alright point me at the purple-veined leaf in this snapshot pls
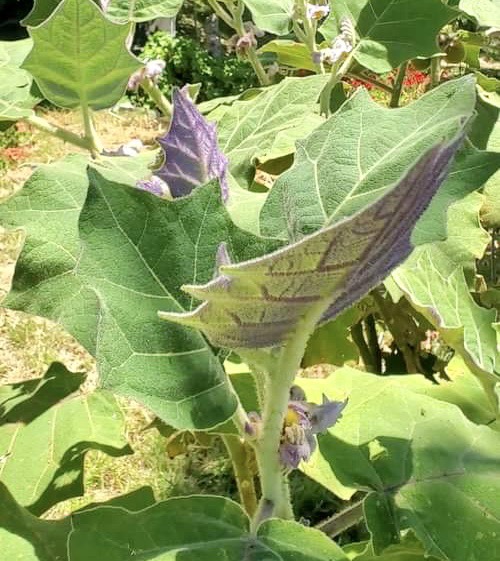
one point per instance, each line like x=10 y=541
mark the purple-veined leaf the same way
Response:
x=192 y=154
x=257 y=303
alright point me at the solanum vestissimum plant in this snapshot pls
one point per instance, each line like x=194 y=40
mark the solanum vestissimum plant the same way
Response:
x=165 y=274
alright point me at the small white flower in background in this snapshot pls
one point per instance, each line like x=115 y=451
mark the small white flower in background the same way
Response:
x=131 y=149
x=317 y=11
x=152 y=70
x=341 y=45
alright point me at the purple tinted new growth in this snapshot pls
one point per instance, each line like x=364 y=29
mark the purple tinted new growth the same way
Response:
x=192 y=154
x=258 y=303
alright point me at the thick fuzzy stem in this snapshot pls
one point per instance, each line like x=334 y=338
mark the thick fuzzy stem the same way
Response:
x=275 y=500
x=63 y=134
x=241 y=457
x=157 y=97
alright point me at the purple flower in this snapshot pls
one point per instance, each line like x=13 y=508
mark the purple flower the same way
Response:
x=302 y=421
x=154 y=68
x=154 y=185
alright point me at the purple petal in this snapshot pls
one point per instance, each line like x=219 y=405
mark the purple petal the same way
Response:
x=326 y=415
x=155 y=185
x=291 y=454
x=192 y=155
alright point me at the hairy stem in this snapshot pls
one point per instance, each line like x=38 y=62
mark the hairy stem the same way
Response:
x=398 y=85
x=307 y=35
x=274 y=499
x=335 y=78
x=221 y=13
x=156 y=95
x=66 y=136
x=343 y=520
x=241 y=455
x=90 y=132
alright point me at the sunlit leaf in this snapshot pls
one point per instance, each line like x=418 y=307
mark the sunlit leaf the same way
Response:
x=45 y=432
x=101 y=258
x=80 y=57
x=257 y=303
x=419 y=459
x=273 y=16
x=391 y=31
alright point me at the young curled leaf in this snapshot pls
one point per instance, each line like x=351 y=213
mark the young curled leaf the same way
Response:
x=192 y=154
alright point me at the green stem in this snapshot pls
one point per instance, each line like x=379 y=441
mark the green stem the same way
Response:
x=251 y=52
x=307 y=35
x=343 y=520
x=156 y=95
x=371 y=336
x=63 y=134
x=241 y=455
x=221 y=13
x=435 y=72
x=335 y=78
x=274 y=499
x=398 y=85
x=90 y=132
x=358 y=337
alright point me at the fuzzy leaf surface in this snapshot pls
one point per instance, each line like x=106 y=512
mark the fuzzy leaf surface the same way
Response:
x=391 y=31
x=267 y=126
x=195 y=528
x=79 y=57
x=421 y=461
x=434 y=282
x=355 y=156
x=101 y=258
x=45 y=432
x=257 y=303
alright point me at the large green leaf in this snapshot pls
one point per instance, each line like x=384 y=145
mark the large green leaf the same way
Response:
x=273 y=16
x=267 y=126
x=257 y=303
x=79 y=57
x=485 y=12
x=45 y=434
x=391 y=31
x=420 y=460
x=347 y=163
x=433 y=280
x=102 y=259
x=193 y=528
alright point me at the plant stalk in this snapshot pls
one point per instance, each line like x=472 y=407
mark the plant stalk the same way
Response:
x=342 y=521
x=241 y=455
x=335 y=78
x=372 y=81
x=90 y=132
x=274 y=499
x=156 y=95
x=398 y=85
x=435 y=72
x=66 y=136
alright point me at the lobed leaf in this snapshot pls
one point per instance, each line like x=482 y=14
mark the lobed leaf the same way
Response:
x=101 y=258
x=420 y=462
x=391 y=31
x=257 y=303
x=434 y=282
x=79 y=57
x=354 y=157
x=45 y=432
